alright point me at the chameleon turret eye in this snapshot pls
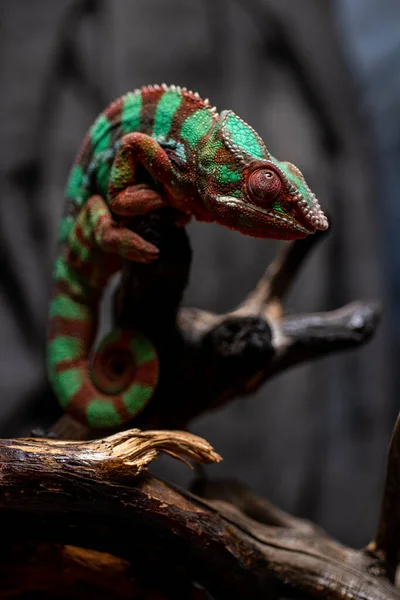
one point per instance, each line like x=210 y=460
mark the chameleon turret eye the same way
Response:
x=264 y=185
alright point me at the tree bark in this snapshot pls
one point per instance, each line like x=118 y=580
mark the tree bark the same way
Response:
x=95 y=495
x=386 y=545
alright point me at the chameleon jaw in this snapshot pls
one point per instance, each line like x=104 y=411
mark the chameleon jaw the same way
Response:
x=269 y=213
x=256 y=221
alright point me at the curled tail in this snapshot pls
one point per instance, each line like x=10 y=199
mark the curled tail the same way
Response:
x=109 y=388
x=106 y=389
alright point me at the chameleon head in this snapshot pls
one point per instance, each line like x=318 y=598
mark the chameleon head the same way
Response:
x=247 y=189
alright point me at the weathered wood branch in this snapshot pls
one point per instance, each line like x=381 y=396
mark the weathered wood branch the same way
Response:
x=386 y=545
x=127 y=452
x=66 y=572
x=37 y=558
x=258 y=509
x=87 y=496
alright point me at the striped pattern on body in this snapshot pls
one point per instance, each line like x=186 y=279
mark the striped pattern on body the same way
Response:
x=191 y=153
x=173 y=116
x=178 y=119
x=89 y=388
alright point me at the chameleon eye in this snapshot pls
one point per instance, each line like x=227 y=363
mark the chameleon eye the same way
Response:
x=264 y=185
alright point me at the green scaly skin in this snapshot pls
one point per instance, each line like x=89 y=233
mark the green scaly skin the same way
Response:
x=155 y=146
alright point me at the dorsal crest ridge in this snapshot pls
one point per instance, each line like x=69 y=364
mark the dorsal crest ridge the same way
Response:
x=189 y=94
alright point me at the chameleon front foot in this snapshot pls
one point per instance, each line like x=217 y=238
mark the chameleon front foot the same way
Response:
x=136 y=200
x=113 y=237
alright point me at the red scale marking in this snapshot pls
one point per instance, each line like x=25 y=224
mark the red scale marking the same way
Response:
x=150 y=99
x=147 y=373
x=87 y=270
x=224 y=157
x=84 y=239
x=63 y=287
x=114 y=111
x=162 y=161
x=71 y=363
x=79 y=401
x=75 y=262
x=121 y=408
x=85 y=152
x=83 y=329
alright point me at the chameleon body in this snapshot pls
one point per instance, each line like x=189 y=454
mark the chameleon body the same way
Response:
x=155 y=146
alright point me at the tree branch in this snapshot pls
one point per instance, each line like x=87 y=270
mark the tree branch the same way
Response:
x=87 y=496
x=386 y=545
x=278 y=277
x=67 y=572
x=127 y=452
x=258 y=509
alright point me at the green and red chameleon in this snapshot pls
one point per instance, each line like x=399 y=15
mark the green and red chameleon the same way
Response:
x=211 y=166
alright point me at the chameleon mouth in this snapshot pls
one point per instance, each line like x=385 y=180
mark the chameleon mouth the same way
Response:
x=257 y=220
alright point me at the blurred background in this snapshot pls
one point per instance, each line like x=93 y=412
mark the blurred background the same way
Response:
x=320 y=82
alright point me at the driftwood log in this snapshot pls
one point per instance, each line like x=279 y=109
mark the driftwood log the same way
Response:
x=84 y=519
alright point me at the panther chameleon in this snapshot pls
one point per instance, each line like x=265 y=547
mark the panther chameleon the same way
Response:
x=159 y=145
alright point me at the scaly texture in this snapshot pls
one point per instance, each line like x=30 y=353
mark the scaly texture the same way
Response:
x=158 y=145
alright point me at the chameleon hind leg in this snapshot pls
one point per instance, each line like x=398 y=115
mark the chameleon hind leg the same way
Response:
x=109 y=388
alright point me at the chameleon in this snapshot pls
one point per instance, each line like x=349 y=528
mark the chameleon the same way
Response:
x=154 y=147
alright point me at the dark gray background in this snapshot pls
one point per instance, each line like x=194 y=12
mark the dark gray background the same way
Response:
x=319 y=81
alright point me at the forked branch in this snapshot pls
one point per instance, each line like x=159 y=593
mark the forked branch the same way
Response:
x=278 y=278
